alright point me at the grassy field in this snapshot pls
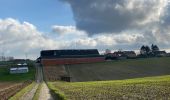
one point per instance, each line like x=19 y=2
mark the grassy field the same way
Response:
x=117 y=70
x=5 y=76
x=149 y=88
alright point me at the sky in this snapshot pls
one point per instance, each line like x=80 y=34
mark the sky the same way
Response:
x=29 y=26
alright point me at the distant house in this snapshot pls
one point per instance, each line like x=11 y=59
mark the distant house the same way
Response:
x=19 y=68
x=130 y=54
x=107 y=51
x=110 y=56
x=18 y=60
x=120 y=55
x=168 y=54
x=160 y=53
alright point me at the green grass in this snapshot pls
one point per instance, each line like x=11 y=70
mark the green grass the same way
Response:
x=149 y=88
x=22 y=92
x=118 y=70
x=5 y=76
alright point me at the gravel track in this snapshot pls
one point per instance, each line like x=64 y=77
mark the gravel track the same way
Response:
x=44 y=92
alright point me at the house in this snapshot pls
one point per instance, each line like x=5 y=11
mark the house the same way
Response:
x=110 y=56
x=70 y=56
x=168 y=54
x=130 y=54
x=160 y=53
x=120 y=55
x=107 y=51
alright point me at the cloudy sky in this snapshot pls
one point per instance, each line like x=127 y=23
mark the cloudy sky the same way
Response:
x=29 y=26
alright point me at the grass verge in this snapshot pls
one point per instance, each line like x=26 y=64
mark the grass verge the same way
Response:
x=22 y=92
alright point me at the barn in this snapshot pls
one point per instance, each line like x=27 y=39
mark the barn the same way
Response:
x=71 y=56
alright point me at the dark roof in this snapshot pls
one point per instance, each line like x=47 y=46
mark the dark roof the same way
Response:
x=69 y=53
x=160 y=52
x=129 y=52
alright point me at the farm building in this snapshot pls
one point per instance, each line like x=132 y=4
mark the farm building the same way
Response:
x=74 y=56
x=19 y=68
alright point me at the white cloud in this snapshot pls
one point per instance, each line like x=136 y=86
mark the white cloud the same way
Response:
x=20 y=38
x=66 y=30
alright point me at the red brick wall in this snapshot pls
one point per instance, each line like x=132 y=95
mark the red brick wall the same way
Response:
x=61 y=61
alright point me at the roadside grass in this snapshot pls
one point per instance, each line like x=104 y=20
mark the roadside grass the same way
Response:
x=18 y=95
x=37 y=93
x=121 y=69
x=150 y=88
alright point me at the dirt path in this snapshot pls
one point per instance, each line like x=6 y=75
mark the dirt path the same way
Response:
x=30 y=94
x=45 y=93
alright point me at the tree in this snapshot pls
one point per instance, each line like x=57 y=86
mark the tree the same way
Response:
x=145 y=50
x=154 y=48
x=148 y=50
x=142 y=50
